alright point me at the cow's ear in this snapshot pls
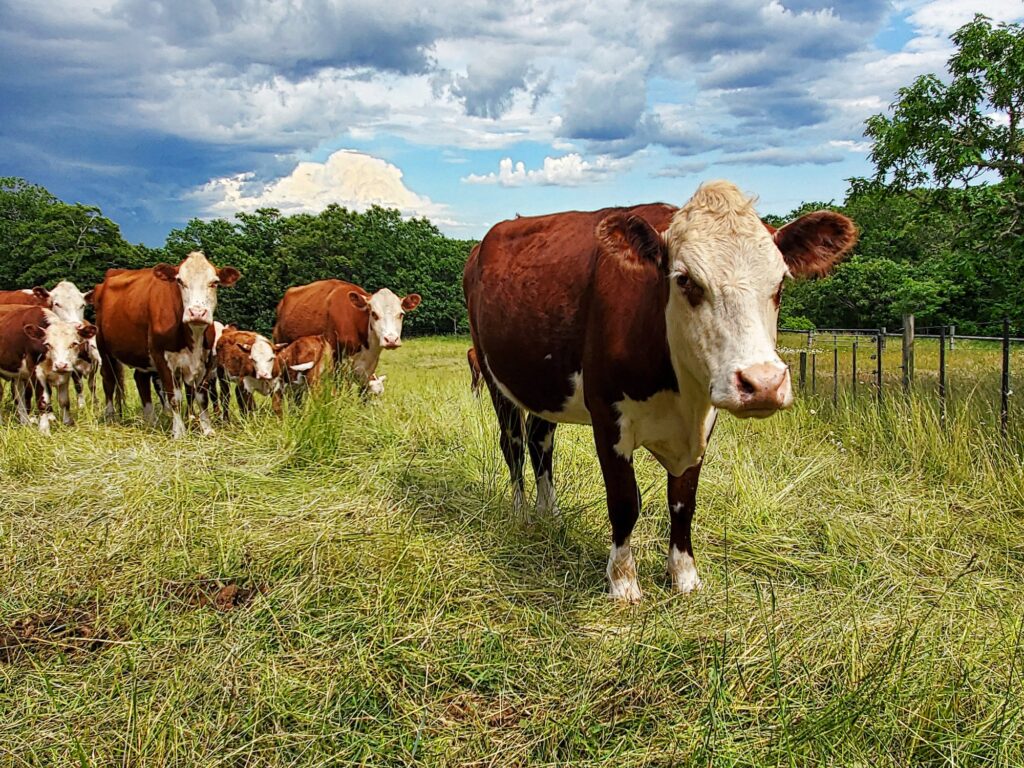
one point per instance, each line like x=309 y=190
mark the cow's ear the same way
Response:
x=359 y=301
x=228 y=276
x=632 y=240
x=166 y=272
x=86 y=330
x=812 y=244
x=41 y=293
x=382 y=378
x=35 y=332
x=410 y=302
x=247 y=348
x=89 y=295
x=278 y=347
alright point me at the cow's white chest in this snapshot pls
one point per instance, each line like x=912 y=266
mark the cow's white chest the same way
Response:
x=263 y=386
x=668 y=426
x=189 y=364
x=364 y=362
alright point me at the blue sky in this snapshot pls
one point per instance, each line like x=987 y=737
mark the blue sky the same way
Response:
x=464 y=111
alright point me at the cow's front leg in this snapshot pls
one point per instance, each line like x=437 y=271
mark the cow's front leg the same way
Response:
x=171 y=395
x=43 y=406
x=64 y=402
x=682 y=500
x=202 y=393
x=22 y=391
x=623 y=510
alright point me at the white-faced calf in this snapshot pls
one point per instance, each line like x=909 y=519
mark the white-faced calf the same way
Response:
x=249 y=361
x=38 y=352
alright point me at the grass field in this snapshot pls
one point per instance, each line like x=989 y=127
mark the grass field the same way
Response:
x=351 y=587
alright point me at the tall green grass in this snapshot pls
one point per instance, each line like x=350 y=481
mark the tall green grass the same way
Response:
x=863 y=600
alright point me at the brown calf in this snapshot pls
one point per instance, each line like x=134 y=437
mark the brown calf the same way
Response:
x=249 y=361
x=38 y=350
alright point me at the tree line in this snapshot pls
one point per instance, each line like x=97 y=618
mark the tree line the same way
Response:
x=44 y=240
x=941 y=220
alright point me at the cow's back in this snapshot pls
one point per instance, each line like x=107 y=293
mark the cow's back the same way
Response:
x=322 y=308
x=528 y=289
x=22 y=298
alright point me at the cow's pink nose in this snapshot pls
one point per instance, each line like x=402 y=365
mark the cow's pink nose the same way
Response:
x=198 y=315
x=61 y=367
x=392 y=342
x=762 y=387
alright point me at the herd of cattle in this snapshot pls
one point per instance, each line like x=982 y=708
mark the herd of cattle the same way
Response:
x=160 y=322
x=642 y=322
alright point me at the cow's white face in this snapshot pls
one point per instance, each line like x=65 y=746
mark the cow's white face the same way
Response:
x=263 y=359
x=725 y=272
x=63 y=341
x=387 y=313
x=375 y=386
x=68 y=303
x=197 y=279
x=725 y=284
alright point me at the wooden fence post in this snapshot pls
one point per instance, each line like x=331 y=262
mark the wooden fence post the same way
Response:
x=908 y=352
x=880 y=348
x=1004 y=399
x=854 y=376
x=803 y=370
x=942 y=375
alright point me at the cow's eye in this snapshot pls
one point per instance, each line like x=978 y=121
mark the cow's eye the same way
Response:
x=179 y=281
x=375 y=316
x=693 y=292
x=215 y=283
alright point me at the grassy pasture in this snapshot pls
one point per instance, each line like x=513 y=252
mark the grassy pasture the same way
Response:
x=349 y=586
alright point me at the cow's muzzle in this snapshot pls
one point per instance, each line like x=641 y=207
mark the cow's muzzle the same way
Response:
x=198 y=316
x=762 y=390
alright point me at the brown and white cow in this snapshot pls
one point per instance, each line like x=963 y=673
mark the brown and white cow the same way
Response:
x=642 y=322
x=38 y=351
x=33 y=297
x=476 y=378
x=155 y=321
x=249 y=361
x=358 y=325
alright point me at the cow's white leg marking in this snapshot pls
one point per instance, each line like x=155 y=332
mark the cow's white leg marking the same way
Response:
x=148 y=414
x=682 y=571
x=64 y=399
x=622 y=583
x=546 y=503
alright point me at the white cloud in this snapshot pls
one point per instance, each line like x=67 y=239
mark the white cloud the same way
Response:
x=347 y=178
x=566 y=171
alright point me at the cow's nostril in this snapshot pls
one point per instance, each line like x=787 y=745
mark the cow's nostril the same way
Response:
x=744 y=385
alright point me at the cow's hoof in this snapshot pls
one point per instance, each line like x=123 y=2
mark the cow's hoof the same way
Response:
x=625 y=591
x=683 y=572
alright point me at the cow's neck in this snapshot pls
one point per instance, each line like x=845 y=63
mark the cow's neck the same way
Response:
x=364 y=362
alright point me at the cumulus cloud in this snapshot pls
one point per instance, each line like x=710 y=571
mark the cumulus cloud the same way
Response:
x=568 y=171
x=347 y=178
x=605 y=106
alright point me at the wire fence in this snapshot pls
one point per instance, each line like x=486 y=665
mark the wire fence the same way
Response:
x=936 y=366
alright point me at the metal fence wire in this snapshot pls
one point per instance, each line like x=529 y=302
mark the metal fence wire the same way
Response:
x=932 y=363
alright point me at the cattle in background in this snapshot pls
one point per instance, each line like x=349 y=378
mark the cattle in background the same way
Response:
x=642 y=322
x=477 y=381
x=32 y=297
x=303 y=363
x=38 y=351
x=357 y=325
x=375 y=386
x=249 y=361
x=155 y=321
